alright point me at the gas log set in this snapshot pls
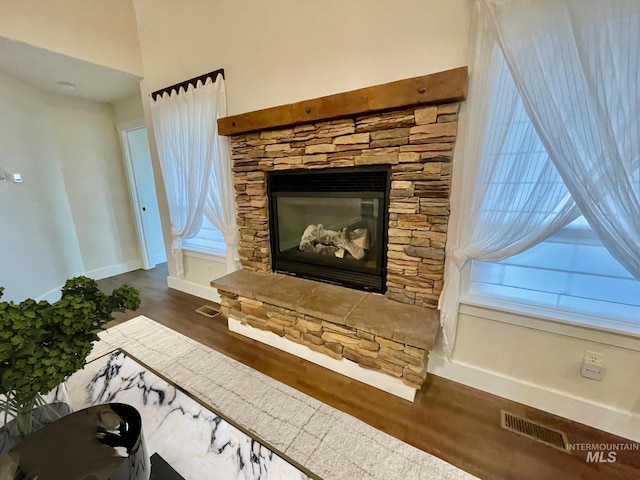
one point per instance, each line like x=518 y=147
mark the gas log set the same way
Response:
x=355 y=241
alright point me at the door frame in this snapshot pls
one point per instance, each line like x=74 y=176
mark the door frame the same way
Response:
x=123 y=128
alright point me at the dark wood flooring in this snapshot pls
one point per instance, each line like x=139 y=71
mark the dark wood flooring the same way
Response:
x=456 y=423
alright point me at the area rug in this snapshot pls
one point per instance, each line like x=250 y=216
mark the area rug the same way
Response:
x=327 y=442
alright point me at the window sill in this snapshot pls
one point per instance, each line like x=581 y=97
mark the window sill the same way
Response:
x=209 y=255
x=594 y=329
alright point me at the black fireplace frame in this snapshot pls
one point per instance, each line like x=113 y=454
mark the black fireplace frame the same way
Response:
x=309 y=183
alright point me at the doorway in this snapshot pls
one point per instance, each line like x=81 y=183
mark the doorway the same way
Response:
x=137 y=156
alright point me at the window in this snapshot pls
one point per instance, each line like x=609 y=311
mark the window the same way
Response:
x=523 y=165
x=208 y=240
x=571 y=271
x=551 y=135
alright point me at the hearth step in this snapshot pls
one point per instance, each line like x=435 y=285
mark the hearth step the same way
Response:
x=367 y=329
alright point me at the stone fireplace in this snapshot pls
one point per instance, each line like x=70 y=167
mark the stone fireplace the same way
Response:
x=417 y=145
x=363 y=195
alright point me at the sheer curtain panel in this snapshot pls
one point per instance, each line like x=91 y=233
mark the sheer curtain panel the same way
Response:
x=575 y=64
x=510 y=196
x=191 y=154
x=220 y=207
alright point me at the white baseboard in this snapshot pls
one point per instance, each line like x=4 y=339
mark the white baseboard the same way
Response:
x=384 y=382
x=51 y=296
x=112 y=270
x=202 y=291
x=596 y=415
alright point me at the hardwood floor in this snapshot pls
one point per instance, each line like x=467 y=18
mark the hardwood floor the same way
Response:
x=459 y=424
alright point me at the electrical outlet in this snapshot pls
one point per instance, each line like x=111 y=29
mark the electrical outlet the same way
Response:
x=593 y=357
x=592 y=367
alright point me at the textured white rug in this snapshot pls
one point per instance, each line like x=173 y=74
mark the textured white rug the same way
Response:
x=328 y=442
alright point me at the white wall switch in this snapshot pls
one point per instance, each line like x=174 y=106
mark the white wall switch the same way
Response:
x=16 y=178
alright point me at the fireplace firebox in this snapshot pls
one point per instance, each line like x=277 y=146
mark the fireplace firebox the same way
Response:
x=331 y=225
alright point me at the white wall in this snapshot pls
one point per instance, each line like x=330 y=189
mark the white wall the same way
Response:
x=201 y=269
x=72 y=214
x=291 y=50
x=99 y=31
x=91 y=161
x=537 y=362
x=38 y=244
x=128 y=109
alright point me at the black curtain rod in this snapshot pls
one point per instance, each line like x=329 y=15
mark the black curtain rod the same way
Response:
x=186 y=83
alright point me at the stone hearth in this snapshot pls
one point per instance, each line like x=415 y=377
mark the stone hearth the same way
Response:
x=392 y=335
x=366 y=328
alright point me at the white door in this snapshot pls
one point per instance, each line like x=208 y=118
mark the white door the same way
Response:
x=143 y=192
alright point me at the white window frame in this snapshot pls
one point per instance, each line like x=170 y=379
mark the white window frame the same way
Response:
x=586 y=327
x=577 y=325
x=205 y=253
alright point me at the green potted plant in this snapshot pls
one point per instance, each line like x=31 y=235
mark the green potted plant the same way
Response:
x=41 y=344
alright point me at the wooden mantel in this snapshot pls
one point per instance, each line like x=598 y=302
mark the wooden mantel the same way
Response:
x=435 y=88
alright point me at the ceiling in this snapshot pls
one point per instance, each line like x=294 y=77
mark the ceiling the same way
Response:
x=58 y=73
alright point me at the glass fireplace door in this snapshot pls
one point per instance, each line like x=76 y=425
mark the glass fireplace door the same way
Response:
x=330 y=227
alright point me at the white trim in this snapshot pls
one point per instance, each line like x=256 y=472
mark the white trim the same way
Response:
x=51 y=296
x=210 y=257
x=195 y=289
x=597 y=415
x=217 y=252
x=576 y=328
x=132 y=124
x=614 y=332
x=379 y=380
x=123 y=128
x=112 y=270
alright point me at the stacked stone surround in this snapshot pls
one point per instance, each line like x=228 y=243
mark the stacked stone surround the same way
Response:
x=368 y=329
x=418 y=145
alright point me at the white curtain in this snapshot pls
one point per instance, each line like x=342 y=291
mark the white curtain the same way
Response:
x=554 y=131
x=191 y=153
x=220 y=207
x=510 y=195
x=576 y=65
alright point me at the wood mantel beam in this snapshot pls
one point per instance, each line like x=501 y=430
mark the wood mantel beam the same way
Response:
x=441 y=87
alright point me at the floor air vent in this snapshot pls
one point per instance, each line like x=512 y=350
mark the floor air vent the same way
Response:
x=207 y=311
x=534 y=430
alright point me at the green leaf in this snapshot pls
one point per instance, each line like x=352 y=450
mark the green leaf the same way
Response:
x=41 y=343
